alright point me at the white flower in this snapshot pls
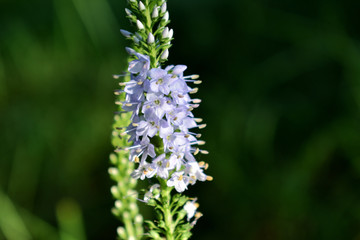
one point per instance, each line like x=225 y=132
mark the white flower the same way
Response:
x=195 y=172
x=190 y=208
x=179 y=181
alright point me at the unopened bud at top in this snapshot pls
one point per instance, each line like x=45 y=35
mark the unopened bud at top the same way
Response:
x=163 y=7
x=121 y=232
x=125 y=33
x=128 y=12
x=171 y=33
x=165 y=54
x=141 y=6
x=139 y=25
x=166 y=17
x=150 y=39
x=165 y=33
x=155 y=13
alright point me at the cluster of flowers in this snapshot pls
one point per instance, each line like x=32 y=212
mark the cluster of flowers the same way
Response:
x=161 y=121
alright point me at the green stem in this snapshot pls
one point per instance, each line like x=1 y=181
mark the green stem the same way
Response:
x=168 y=216
x=129 y=225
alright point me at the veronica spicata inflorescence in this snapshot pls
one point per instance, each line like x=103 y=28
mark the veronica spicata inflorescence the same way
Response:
x=159 y=102
x=156 y=131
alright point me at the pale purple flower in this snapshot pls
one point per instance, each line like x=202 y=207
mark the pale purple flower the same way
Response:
x=161 y=166
x=150 y=125
x=159 y=103
x=140 y=65
x=159 y=81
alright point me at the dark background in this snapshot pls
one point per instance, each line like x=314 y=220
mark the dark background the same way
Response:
x=281 y=97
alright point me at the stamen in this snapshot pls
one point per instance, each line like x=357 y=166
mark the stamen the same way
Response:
x=196 y=151
x=202 y=126
x=194 y=76
x=206 y=166
x=194 y=105
x=194 y=90
x=133 y=147
x=121 y=149
x=209 y=178
x=204 y=152
x=117 y=76
x=126 y=132
x=118 y=92
x=196 y=100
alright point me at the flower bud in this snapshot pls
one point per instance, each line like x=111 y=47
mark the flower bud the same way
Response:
x=165 y=33
x=141 y=6
x=139 y=219
x=113 y=171
x=136 y=40
x=128 y=12
x=165 y=54
x=118 y=204
x=171 y=33
x=182 y=200
x=150 y=39
x=125 y=33
x=151 y=202
x=121 y=232
x=113 y=158
x=166 y=17
x=115 y=191
x=139 y=25
x=163 y=7
x=154 y=234
x=155 y=13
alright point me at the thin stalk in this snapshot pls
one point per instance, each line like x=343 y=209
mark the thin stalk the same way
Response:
x=168 y=216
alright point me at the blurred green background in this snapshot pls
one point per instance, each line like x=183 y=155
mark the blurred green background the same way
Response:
x=281 y=97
